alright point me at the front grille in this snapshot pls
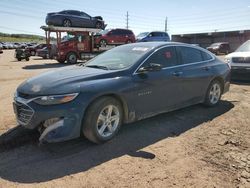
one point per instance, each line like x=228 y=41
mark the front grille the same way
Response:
x=241 y=59
x=23 y=113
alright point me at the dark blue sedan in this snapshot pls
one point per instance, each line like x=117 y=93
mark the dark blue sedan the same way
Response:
x=74 y=18
x=125 y=84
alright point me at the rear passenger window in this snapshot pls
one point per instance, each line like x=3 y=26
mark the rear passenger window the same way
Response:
x=206 y=56
x=165 y=57
x=115 y=32
x=190 y=55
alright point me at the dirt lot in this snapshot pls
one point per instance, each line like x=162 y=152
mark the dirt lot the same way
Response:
x=192 y=147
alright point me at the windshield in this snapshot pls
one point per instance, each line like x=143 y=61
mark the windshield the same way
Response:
x=119 y=57
x=245 y=47
x=104 y=32
x=142 y=34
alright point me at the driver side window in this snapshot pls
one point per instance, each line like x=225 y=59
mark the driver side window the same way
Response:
x=166 y=57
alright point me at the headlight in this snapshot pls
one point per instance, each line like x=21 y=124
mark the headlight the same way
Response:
x=55 y=99
x=228 y=62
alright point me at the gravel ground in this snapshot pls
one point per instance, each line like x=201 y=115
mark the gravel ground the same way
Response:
x=192 y=147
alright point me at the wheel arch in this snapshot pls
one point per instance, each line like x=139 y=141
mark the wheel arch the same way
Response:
x=115 y=96
x=221 y=80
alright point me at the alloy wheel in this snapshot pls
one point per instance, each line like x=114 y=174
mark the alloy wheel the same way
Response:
x=214 y=94
x=66 y=23
x=108 y=120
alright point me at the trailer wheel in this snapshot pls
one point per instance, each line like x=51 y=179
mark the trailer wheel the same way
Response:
x=66 y=23
x=71 y=58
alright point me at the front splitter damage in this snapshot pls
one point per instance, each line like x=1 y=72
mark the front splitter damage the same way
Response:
x=50 y=130
x=58 y=130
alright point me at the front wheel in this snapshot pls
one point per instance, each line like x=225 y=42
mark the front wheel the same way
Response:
x=103 y=43
x=71 y=58
x=102 y=120
x=214 y=93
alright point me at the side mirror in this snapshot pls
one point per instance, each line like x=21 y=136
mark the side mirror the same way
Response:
x=150 y=68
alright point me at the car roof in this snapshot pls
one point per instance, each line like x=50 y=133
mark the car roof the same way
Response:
x=158 y=44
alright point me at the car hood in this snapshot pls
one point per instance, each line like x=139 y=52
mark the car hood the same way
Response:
x=238 y=54
x=63 y=80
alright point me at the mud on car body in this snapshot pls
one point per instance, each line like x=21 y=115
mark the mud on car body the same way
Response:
x=122 y=85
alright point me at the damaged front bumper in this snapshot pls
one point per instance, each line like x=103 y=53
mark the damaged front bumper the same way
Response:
x=56 y=123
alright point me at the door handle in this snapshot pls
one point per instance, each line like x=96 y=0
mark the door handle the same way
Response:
x=206 y=68
x=177 y=73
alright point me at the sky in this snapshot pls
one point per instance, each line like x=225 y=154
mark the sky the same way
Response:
x=183 y=16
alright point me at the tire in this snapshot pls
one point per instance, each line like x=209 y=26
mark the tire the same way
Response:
x=98 y=125
x=213 y=94
x=27 y=58
x=66 y=23
x=33 y=53
x=19 y=59
x=103 y=43
x=98 y=25
x=71 y=58
x=129 y=41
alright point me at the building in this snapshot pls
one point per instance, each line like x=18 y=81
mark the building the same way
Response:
x=235 y=38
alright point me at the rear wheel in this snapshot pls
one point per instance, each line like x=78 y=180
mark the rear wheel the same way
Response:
x=71 y=58
x=98 y=25
x=214 y=93
x=103 y=120
x=66 y=23
x=27 y=58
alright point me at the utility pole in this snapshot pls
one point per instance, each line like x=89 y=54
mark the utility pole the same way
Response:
x=127 y=18
x=166 y=24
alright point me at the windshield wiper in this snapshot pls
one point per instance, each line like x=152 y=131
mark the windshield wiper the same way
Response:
x=97 y=67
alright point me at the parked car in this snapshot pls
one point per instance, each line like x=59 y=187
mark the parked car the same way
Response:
x=219 y=48
x=33 y=49
x=153 y=36
x=74 y=18
x=124 y=84
x=114 y=37
x=240 y=62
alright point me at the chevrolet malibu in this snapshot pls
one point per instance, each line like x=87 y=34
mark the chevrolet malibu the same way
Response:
x=125 y=84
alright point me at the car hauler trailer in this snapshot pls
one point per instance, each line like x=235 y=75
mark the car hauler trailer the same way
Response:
x=79 y=46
